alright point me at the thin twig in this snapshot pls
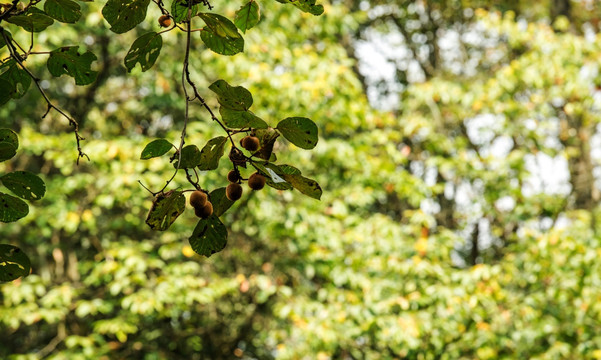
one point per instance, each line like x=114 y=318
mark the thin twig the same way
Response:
x=13 y=52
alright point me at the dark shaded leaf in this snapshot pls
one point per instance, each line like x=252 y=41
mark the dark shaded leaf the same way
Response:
x=300 y=131
x=13 y=263
x=237 y=119
x=165 y=209
x=191 y=157
x=124 y=15
x=66 y=11
x=220 y=202
x=211 y=153
x=34 y=20
x=179 y=10
x=221 y=35
x=18 y=78
x=232 y=97
x=247 y=16
x=67 y=60
x=276 y=172
x=145 y=50
x=7 y=151
x=267 y=138
x=12 y=208
x=209 y=236
x=306 y=186
x=9 y=136
x=156 y=148
x=24 y=184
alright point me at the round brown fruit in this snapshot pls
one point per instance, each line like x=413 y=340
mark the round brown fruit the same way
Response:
x=256 y=181
x=205 y=211
x=250 y=143
x=165 y=21
x=233 y=176
x=233 y=191
x=198 y=199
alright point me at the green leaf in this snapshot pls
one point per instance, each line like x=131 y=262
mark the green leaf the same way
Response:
x=191 y=157
x=6 y=89
x=179 y=10
x=221 y=35
x=13 y=263
x=124 y=15
x=7 y=151
x=24 y=184
x=278 y=181
x=307 y=6
x=238 y=119
x=165 y=209
x=220 y=202
x=247 y=16
x=18 y=78
x=209 y=236
x=65 y=11
x=220 y=25
x=67 y=60
x=221 y=45
x=156 y=148
x=12 y=208
x=145 y=50
x=300 y=131
x=267 y=138
x=211 y=153
x=34 y=20
x=232 y=97
x=9 y=136
x=306 y=186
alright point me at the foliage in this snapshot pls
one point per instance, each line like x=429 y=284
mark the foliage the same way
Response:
x=382 y=267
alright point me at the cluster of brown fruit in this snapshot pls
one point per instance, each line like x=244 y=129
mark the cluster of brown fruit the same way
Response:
x=256 y=181
x=201 y=204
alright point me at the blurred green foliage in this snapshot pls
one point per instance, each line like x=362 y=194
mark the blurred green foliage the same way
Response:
x=369 y=272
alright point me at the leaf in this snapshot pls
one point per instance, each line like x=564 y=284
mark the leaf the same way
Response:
x=9 y=136
x=221 y=35
x=220 y=25
x=221 y=45
x=232 y=97
x=18 y=78
x=12 y=208
x=179 y=10
x=7 y=151
x=165 y=209
x=237 y=119
x=300 y=131
x=209 y=236
x=220 y=202
x=145 y=50
x=156 y=148
x=247 y=16
x=279 y=171
x=6 y=90
x=124 y=15
x=34 y=20
x=24 y=184
x=307 y=6
x=65 y=11
x=267 y=137
x=191 y=157
x=13 y=263
x=67 y=60
x=306 y=186
x=211 y=153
